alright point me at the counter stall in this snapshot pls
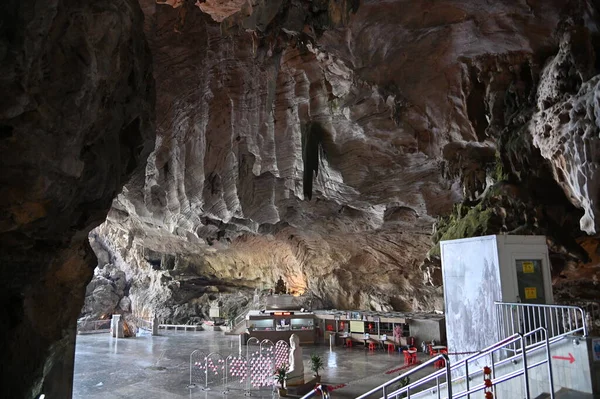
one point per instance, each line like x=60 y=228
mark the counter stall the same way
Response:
x=280 y=325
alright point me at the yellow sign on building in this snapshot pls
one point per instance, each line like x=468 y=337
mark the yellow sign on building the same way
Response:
x=528 y=267
x=530 y=293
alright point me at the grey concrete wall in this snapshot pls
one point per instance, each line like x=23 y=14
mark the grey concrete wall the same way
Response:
x=595 y=368
x=581 y=375
x=427 y=330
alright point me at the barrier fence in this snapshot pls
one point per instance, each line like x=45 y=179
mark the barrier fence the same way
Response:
x=91 y=326
x=250 y=372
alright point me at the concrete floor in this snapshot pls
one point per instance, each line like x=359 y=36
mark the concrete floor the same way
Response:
x=158 y=367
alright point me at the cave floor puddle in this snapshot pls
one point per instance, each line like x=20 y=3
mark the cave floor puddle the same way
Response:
x=158 y=367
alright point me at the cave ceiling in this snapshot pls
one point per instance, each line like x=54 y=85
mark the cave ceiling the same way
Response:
x=328 y=141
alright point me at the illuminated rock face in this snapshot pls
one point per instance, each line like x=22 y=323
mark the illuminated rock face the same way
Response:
x=322 y=142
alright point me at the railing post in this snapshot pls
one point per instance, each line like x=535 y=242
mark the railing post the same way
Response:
x=525 y=371
x=468 y=385
x=549 y=360
x=384 y=392
x=448 y=377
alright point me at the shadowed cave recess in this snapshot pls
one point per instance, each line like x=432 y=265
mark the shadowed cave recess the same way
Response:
x=159 y=156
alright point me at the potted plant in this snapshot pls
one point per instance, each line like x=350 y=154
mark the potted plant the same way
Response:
x=281 y=376
x=402 y=383
x=316 y=364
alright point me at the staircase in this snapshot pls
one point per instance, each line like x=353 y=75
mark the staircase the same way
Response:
x=238 y=324
x=548 y=360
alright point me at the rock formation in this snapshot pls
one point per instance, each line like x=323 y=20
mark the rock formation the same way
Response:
x=330 y=142
x=75 y=120
x=323 y=140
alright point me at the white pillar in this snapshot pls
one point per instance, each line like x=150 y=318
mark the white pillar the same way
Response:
x=155 y=325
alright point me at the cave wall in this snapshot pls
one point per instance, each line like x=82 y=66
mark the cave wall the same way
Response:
x=75 y=120
x=328 y=142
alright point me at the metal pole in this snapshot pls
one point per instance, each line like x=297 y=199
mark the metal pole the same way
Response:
x=525 y=371
x=448 y=377
x=191 y=384
x=549 y=360
x=384 y=392
x=467 y=378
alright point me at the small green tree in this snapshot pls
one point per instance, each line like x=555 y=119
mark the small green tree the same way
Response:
x=281 y=374
x=404 y=382
x=316 y=363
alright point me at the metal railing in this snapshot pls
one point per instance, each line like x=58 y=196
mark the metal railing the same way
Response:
x=523 y=371
x=468 y=376
x=592 y=313
x=384 y=387
x=91 y=326
x=319 y=388
x=143 y=323
x=558 y=320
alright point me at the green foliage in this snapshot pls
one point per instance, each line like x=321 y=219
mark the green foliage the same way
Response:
x=281 y=374
x=316 y=363
x=464 y=222
x=404 y=382
x=498 y=174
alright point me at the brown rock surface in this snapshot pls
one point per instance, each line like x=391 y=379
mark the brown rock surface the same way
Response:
x=75 y=114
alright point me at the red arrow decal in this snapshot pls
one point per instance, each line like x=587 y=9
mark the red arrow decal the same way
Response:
x=571 y=358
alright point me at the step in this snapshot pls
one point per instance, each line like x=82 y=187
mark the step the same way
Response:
x=566 y=393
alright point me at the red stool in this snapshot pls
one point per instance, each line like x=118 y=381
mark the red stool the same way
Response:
x=348 y=342
x=391 y=348
x=407 y=358
x=371 y=346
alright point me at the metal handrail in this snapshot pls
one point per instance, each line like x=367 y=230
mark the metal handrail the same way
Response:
x=455 y=366
x=592 y=312
x=559 y=320
x=523 y=371
x=93 y=325
x=431 y=361
x=437 y=374
x=485 y=352
x=324 y=392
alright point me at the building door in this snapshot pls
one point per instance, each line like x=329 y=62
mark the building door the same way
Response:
x=530 y=281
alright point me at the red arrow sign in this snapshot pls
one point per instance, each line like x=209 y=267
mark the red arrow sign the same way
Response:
x=571 y=358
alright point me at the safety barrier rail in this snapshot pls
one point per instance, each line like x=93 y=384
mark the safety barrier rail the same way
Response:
x=180 y=326
x=592 y=314
x=384 y=387
x=319 y=388
x=558 y=320
x=467 y=376
x=91 y=326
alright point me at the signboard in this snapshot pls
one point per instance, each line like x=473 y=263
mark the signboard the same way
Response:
x=596 y=349
x=213 y=312
x=357 y=327
x=530 y=292
x=528 y=267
